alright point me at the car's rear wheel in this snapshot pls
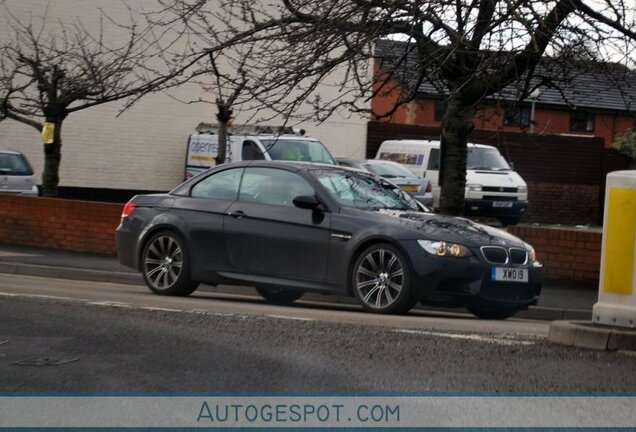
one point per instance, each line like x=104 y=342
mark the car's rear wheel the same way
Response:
x=492 y=312
x=381 y=280
x=279 y=296
x=166 y=265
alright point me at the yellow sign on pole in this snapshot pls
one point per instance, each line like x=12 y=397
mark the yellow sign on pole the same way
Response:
x=48 y=132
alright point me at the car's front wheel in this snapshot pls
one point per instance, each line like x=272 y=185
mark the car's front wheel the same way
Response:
x=279 y=296
x=381 y=280
x=166 y=265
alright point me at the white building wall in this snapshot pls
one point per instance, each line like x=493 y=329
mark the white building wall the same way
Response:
x=144 y=147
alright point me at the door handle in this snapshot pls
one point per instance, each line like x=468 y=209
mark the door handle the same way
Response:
x=236 y=214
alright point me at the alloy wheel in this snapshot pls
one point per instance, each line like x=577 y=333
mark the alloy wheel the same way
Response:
x=163 y=262
x=379 y=279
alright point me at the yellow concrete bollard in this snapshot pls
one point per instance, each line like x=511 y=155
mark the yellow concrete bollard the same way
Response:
x=616 y=304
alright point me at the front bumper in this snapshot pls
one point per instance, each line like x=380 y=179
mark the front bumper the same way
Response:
x=29 y=192
x=494 y=208
x=460 y=282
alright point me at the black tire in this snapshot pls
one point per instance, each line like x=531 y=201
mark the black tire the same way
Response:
x=380 y=279
x=279 y=296
x=165 y=265
x=509 y=220
x=492 y=313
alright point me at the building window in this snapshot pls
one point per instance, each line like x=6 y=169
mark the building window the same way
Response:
x=582 y=121
x=440 y=109
x=517 y=116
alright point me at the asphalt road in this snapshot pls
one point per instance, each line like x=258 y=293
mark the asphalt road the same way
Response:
x=121 y=338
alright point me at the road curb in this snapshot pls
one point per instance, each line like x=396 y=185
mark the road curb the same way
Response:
x=586 y=334
x=70 y=273
x=130 y=278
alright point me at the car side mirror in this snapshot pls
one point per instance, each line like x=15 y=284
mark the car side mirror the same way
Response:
x=307 y=202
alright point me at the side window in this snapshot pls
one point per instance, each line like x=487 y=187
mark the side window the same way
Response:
x=273 y=186
x=440 y=109
x=250 y=151
x=582 y=121
x=433 y=159
x=223 y=185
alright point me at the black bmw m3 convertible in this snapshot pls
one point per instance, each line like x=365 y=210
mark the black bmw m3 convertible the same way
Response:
x=288 y=228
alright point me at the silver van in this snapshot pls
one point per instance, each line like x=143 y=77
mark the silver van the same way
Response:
x=16 y=174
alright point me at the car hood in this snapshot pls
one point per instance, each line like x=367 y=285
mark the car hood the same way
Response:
x=451 y=229
x=494 y=178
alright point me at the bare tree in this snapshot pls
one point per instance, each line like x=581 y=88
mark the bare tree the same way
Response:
x=48 y=74
x=469 y=49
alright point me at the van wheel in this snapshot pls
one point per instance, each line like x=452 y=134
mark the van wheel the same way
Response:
x=508 y=220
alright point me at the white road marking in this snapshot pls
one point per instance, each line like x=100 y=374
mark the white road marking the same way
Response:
x=507 y=340
x=290 y=318
x=41 y=296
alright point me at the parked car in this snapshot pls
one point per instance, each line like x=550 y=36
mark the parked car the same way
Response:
x=16 y=174
x=291 y=227
x=395 y=173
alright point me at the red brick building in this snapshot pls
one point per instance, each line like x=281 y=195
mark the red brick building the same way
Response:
x=561 y=148
x=599 y=103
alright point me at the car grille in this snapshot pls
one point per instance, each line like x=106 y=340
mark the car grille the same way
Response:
x=518 y=256
x=499 y=189
x=501 y=255
x=499 y=198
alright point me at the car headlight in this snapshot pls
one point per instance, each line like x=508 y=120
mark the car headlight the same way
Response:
x=473 y=187
x=522 y=189
x=444 y=249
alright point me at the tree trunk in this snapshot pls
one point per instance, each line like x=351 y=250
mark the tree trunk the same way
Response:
x=52 y=158
x=456 y=126
x=223 y=115
x=220 y=157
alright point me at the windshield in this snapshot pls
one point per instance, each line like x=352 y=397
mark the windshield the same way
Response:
x=14 y=164
x=364 y=191
x=298 y=150
x=485 y=159
x=389 y=170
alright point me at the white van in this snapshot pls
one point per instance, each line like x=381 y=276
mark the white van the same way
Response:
x=493 y=188
x=252 y=143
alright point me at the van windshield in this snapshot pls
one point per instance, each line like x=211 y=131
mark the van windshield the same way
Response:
x=298 y=150
x=486 y=159
x=389 y=170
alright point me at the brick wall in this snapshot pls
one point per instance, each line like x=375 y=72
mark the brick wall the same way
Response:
x=572 y=204
x=82 y=226
x=87 y=226
x=566 y=254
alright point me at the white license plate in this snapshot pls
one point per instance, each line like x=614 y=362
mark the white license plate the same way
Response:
x=507 y=204
x=500 y=274
x=409 y=188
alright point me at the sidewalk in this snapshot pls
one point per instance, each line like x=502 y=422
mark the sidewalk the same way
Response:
x=557 y=301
